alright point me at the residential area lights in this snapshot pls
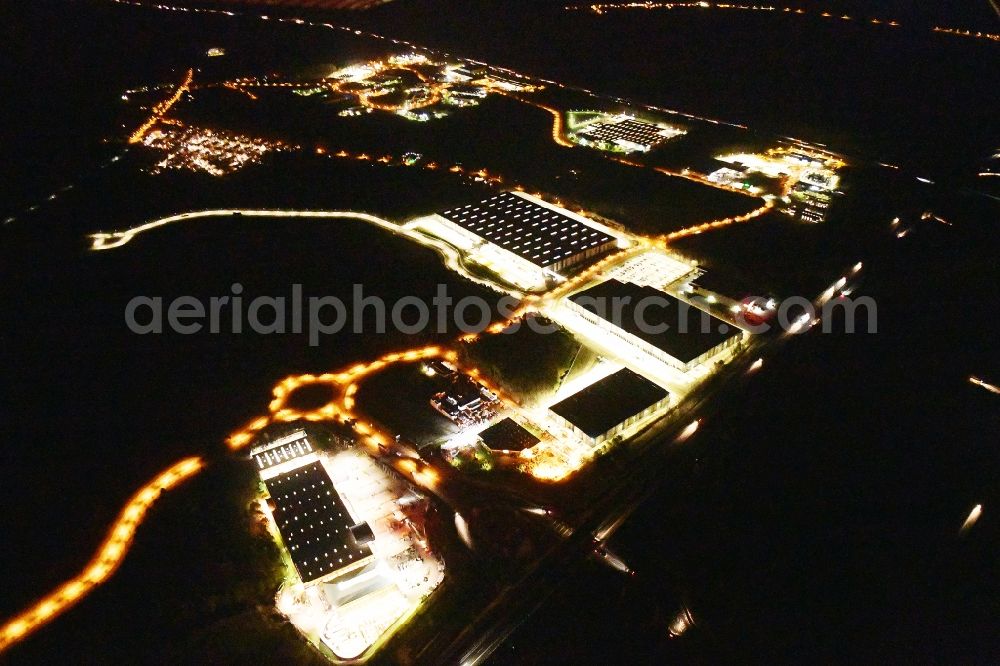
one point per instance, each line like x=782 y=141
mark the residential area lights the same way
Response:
x=107 y=559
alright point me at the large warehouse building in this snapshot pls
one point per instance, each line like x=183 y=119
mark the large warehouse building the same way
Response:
x=610 y=406
x=629 y=134
x=661 y=325
x=521 y=237
x=317 y=528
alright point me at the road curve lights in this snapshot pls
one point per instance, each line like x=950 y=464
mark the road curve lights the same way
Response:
x=107 y=559
x=344 y=384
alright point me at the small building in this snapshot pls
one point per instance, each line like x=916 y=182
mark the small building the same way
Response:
x=610 y=406
x=464 y=400
x=507 y=436
x=281 y=450
x=467 y=91
x=362 y=534
x=442 y=368
x=461 y=396
x=471 y=70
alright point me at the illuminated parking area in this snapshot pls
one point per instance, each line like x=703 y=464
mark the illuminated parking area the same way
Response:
x=653 y=268
x=353 y=605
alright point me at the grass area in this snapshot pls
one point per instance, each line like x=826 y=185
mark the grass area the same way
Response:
x=199 y=582
x=296 y=180
x=774 y=255
x=480 y=137
x=526 y=364
x=399 y=398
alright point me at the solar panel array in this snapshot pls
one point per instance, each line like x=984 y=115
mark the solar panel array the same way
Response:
x=535 y=233
x=314 y=522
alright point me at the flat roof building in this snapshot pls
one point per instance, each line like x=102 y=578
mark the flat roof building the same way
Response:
x=610 y=406
x=546 y=236
x=508 y=435
x=314 y=523
x=665 y=327
x=281 y=450
x=629 y=133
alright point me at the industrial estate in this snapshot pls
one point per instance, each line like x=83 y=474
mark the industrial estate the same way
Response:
x=351 y=498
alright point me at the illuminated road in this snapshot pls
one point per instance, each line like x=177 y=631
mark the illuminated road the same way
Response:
x=107 y=559
x=986 y=385
x=344 y=385
x=557 y=116
x=117 y=239
x=601 y=9
x=452 y=257
x=161 y=109
x=716 y=224
x=602 y=518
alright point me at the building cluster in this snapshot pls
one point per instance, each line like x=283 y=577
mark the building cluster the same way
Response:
x=353 y=537
x=465 y=401
x=623 y=133
x=809 y=175
x=410 y=85
x=215 y=152
x=657 y=337
x=655 y=329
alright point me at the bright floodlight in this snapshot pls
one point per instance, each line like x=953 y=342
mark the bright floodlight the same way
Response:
x=974 y=515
